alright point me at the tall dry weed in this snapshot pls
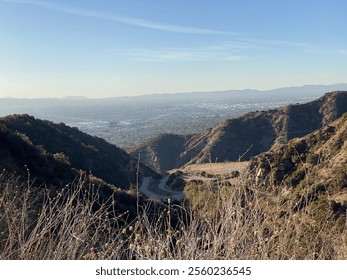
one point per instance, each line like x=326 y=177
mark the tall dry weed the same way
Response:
x=243 y=223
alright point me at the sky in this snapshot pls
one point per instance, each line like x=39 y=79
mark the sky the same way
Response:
x=109 y=48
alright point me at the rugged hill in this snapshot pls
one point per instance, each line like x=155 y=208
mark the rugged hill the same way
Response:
x=243 y=137
x=318 y=159
x=56 y=152
x=309 y=169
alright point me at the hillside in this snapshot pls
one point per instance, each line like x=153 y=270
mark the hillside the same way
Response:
x=243 y=137
x=55 y=152
x=313 y=164
x=311 y=159
x=18 y=155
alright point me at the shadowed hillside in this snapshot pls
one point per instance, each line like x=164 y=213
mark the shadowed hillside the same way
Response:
x=19 y=155
x=39 y=142
x=243 y=137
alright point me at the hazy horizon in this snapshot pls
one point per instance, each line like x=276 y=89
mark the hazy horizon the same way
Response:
x=100 y=49
x=77 y=97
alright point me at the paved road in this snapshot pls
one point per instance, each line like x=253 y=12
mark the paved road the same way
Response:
x=158 y=190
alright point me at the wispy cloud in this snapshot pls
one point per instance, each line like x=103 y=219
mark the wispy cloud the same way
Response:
x=240 y=49
x=271 y=42
x=202 y=53
x=122 y=19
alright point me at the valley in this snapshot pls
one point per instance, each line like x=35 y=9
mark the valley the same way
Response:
x=268 y=184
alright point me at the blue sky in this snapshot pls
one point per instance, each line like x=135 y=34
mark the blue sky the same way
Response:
x=104 y=48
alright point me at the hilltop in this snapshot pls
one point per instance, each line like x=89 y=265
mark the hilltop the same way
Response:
x=243 y=137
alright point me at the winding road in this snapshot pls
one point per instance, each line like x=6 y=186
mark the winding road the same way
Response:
x=158 y=190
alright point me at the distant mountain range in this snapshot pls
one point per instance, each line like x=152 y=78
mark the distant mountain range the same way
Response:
x=243 y=137
x=294 y=92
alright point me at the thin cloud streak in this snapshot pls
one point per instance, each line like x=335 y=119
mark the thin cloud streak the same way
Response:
x=270 y=42
x=237 y=50
x=194 y=54
x=121 y=19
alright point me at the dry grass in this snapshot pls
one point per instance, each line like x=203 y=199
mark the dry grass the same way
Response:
x=221 y=168
x=242 y=224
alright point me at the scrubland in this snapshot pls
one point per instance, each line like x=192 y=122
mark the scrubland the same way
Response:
x=239 y=221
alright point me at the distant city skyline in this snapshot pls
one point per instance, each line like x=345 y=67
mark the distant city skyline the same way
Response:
x=116 y=48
